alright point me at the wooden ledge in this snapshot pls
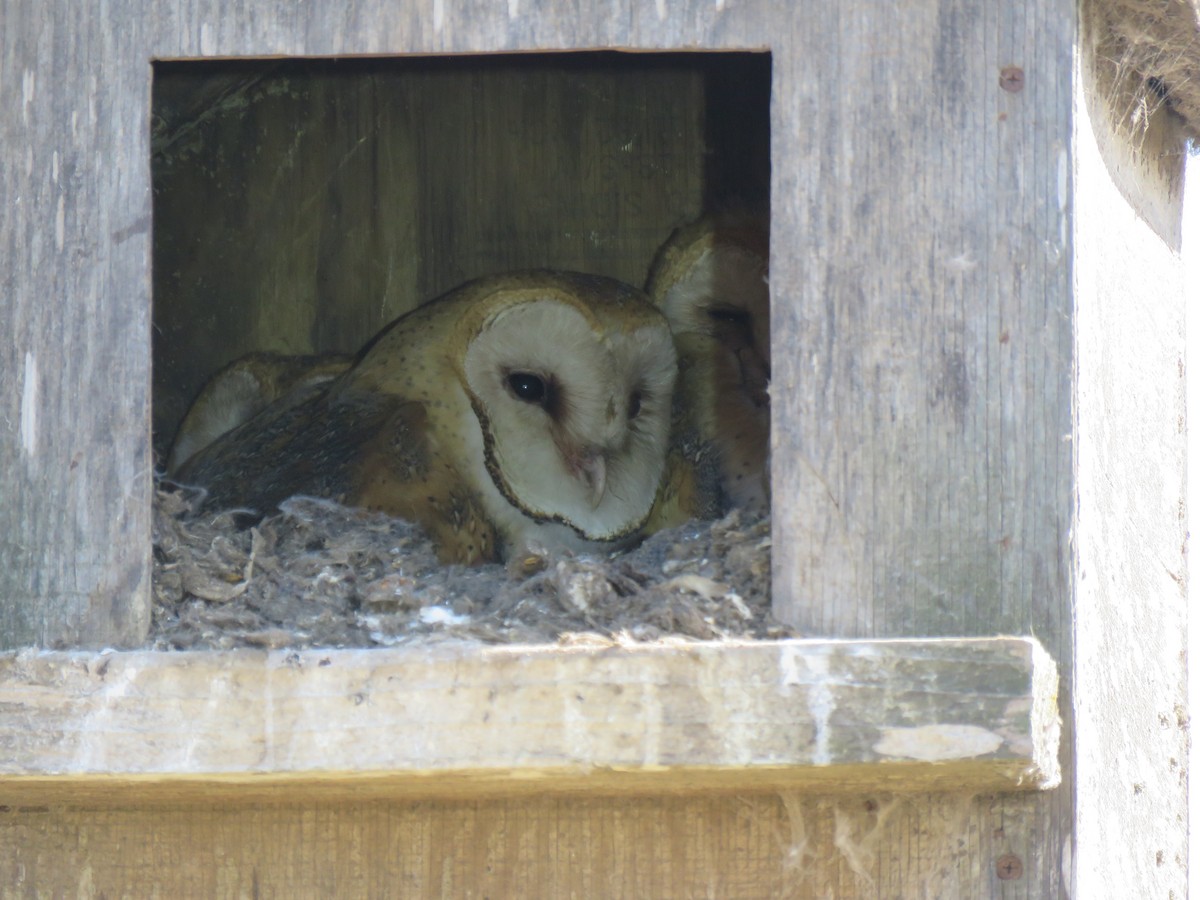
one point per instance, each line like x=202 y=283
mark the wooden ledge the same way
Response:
x=465 y=720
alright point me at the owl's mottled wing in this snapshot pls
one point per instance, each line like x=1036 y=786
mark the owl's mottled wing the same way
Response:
x=243 y=389
x=365 y=448
x=305 y=443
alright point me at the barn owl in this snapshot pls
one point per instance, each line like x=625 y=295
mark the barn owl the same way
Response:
x=710 y=279
x=524 y=409
x=243 y=388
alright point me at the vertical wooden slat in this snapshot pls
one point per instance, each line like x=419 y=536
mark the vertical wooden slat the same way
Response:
x=921 y=272
x=74 y=237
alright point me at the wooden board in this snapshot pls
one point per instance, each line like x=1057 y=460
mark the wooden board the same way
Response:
x=921 y=267
x=464 y=720
x=75 y=463
x=739 y=847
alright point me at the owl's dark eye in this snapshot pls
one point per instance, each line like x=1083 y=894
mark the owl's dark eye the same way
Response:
x=528 y=387
x=635 y=404
x=729 y=316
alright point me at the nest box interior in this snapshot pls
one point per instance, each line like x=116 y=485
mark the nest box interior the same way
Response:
x=302 y=204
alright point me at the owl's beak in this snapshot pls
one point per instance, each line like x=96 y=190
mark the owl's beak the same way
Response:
x=591 y=467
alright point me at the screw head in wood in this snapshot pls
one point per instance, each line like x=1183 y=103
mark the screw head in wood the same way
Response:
x=1009 y=867
x=1012 y=78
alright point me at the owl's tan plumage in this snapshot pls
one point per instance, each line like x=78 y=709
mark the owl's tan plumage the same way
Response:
x=710 y=279
x=519 y=409
x=244 y=388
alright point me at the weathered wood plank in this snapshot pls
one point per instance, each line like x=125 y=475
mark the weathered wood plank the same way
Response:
x=74 y=239
x=739 y=847
x=977 y=715
x=922 y=326
x=922 y=355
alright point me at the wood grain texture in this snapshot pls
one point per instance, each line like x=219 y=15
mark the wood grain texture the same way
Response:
x=922 y=358
x=74 y=413
x=922 y=287
x=979 y=715
x=740 y=846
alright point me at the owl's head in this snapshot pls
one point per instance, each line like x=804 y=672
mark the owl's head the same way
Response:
x=570 y=377
x=711 y=282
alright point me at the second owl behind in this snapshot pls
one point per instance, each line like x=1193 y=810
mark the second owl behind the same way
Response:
x=710 y=279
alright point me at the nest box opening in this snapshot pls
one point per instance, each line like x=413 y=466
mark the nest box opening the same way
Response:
x=301 y=205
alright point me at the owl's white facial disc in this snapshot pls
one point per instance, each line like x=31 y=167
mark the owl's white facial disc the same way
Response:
x=726 y=286
x=575 y=418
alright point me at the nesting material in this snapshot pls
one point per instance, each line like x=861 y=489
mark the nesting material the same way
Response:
x=1155 y=47
x=318 y=574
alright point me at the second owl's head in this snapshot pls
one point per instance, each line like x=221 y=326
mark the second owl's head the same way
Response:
x=571 y=377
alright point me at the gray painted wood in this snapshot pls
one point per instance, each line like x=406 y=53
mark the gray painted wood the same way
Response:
x=923 y=321
x=74 y=416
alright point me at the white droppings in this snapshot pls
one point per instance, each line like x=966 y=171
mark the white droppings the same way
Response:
x=790 y=674
x=60 y=222
x=937 y=743
x=442 y=615
x=114 y=692
x=514 y=8
x=660 y=7
x=28 y=84
x=206 y=40
x=720 y=5
x=439 y=15
x=1064 y=195
x=54 y=166
x=821 y=706
x=29 y=402
x=820 y=698
x=962 y=263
